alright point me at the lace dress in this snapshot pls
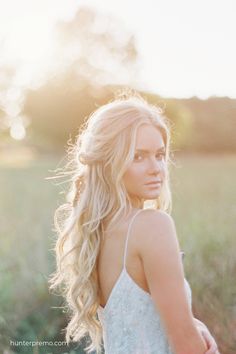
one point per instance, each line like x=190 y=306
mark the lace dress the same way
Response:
x=130 y=321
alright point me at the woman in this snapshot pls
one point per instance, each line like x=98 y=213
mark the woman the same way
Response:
x=118 y=256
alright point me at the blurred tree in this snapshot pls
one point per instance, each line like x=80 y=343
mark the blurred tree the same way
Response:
x=92 y=51
x=214 y=124
x=179 y=116
x=97 y=48
x=6 y=74
x=182 y=119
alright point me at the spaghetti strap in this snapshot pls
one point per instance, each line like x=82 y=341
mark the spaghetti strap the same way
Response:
x=128 y=233
x=123 y=332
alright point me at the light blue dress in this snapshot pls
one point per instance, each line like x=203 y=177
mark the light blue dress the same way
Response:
x=130 y=321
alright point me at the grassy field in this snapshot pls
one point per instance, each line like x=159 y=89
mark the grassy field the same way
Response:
x=204 y=209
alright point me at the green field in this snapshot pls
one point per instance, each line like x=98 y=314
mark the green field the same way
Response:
x=204 y=208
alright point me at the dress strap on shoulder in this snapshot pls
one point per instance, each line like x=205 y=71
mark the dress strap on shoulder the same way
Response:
x=128 y=233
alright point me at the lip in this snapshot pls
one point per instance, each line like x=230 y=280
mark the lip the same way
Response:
x=153 y=183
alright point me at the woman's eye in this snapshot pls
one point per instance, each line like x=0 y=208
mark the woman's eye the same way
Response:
x=161 y=155
x=136 y=157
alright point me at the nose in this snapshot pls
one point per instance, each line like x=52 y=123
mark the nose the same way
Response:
x=155 y=166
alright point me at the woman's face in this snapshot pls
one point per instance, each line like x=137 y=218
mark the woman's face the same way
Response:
x=149 y=165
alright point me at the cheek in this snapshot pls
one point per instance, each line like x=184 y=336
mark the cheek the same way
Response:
x=133 y=174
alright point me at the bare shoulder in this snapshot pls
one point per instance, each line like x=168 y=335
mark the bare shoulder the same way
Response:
x=155 y=216
x=155 y=224
x=156 y=236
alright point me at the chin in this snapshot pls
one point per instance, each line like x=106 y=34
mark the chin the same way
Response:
x=151 y=196
x=154 y=197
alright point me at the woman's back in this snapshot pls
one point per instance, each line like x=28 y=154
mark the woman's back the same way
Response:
x=130 y=320
x=111 y=259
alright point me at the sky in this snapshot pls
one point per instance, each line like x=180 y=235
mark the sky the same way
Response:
x=186 y=48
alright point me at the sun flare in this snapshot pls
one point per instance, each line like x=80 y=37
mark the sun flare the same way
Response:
x=29 y=46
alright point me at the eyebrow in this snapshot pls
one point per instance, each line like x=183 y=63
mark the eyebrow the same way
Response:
x=147 y=151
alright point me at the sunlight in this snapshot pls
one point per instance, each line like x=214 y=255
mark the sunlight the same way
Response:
x=30 y=46
x=18 y=126
x=26 y=39
x=17 y=131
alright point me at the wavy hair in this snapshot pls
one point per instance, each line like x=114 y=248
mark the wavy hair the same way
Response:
x=102 y=152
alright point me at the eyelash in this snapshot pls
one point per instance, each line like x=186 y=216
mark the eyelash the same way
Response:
x=162 y=154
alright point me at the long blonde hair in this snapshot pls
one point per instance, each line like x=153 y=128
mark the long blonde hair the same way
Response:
x=101 y=154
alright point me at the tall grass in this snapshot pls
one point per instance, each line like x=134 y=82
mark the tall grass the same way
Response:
x=204 y=210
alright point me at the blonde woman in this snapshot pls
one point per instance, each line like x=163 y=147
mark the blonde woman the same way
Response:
x=119 y=263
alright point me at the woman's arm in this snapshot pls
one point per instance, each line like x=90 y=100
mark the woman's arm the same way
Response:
x=209 y=339
x=160 y=253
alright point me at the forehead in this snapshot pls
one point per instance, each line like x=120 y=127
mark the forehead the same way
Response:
x=148 y=137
